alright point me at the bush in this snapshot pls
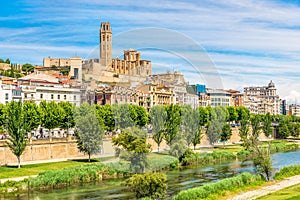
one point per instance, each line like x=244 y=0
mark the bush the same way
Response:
x=243 y=154
x=229 y=184
x=67 y=176
x=148 y=185
x=286 y=172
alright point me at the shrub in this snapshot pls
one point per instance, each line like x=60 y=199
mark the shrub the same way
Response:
x=148 y=185
x=287 y=171
x=67 y=176
x=230 y=184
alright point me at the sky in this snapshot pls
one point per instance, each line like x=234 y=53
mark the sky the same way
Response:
x=228 y=42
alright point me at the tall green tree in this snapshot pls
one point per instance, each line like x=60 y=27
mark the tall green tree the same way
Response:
x=31 y=113
x=158 y=116
x=122 y=116
x=283 y=129
x=267 y=125
x=88 y=131
x=67 y=118
x=226 y=133
x=172 y=122
x=52 y=115
x=190 y=119
x=294 y=129
x=244 y=119
x=2 y=117
x=134 y=148
x=232 y=114
x=17 y=128
x=204 y=116
x=218 y=117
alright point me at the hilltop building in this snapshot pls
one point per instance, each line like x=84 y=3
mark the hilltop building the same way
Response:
x=114 y=70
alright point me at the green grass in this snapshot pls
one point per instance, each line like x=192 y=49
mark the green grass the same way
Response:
x=34 y=169
x=290 y=193
x=287 y=171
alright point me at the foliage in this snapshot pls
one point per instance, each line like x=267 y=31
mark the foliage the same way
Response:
x=218 y=116
x=17 y=128
x=67 y=120
x=2 y=117
x=89 y=134
x=226 y=133
x=135 y=148
x=148 y=185
x=203 y=115
x=267 y=121
x=122 y=116
x=283 y=130
x=68 y=176
x=51 y=115
x=27 y=68
x=227 y=184
x=172 y=122
x=287 y=171
x=140 y=115
x=178 y=146
x=12 y=73
x=30 y=112
x=190 y=125
x=294 y=129
x=232 y=113
x=158 y=117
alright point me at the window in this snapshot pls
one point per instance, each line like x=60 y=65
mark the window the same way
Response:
x=58 y=96
x=74 y=97
x=52 y=96
x=65 y=97
x=41 y=96
x=31 y=95
x=6 y=96
x=25 y=95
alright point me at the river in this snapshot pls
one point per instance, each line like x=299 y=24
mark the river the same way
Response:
x=187 y=177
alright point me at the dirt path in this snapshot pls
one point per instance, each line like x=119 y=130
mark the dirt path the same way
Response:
x=268 y=189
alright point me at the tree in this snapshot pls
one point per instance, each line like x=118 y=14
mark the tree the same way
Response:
x=294 y=129
x=134 y=148
x=244 y=126
x=2 y=117
x=7 y=61
x=218 y=116
x=51 y=115
x=203 y=116
x=232 y=113
x=67 y=120
x=88 y=131
x=27 y=68
x=178 y=146
x=158 y=117
x=283 y=129
x=122 y=116
x=267 y=122
x=17 y=128
x=30 y=112
x=190 y=119
x=151 y=185
x=226 y=133
x=105 y=116
x=172 y=122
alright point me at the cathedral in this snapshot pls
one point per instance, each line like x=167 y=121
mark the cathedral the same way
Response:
x=107 y=69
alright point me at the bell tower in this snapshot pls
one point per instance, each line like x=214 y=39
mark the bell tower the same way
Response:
x=105 y=44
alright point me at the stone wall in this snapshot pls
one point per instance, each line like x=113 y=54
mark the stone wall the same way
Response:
x=43 y=149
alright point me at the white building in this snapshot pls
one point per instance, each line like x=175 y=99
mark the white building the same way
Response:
x=262 y=100
x=40 y=87
x=9 y=90
x=218 y=97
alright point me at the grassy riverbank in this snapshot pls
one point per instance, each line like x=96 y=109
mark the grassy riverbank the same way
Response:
x=34 y=169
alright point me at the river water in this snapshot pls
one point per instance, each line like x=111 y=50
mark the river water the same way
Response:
x=187 y=177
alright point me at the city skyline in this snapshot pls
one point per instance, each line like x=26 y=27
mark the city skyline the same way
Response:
x=250 y=43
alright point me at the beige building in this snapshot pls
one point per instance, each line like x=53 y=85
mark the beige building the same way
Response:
x=262 y=100
x=293 y=109
x=218 y=97
x=74 y=63
x=153 y=95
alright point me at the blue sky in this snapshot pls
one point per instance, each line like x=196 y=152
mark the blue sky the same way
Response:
x=249 y=42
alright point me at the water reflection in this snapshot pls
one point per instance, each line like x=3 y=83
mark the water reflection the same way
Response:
x=187 y=177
